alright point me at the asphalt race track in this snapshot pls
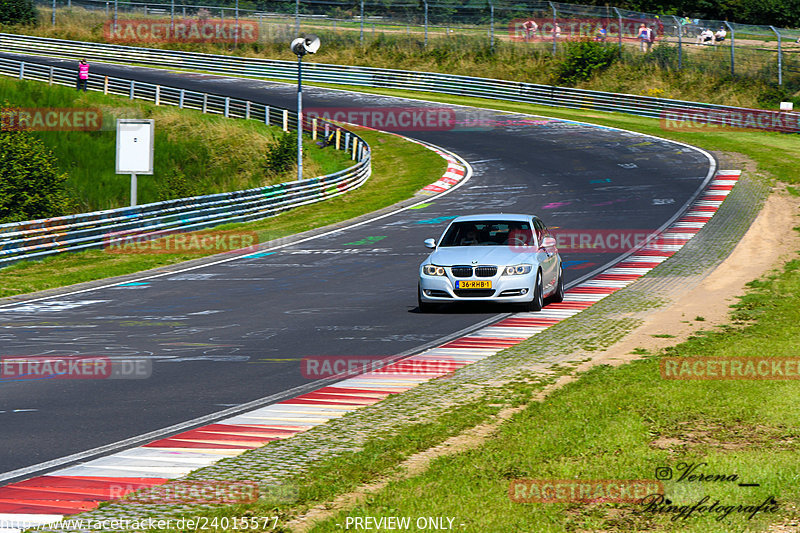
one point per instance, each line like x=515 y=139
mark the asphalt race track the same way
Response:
x=235 y=331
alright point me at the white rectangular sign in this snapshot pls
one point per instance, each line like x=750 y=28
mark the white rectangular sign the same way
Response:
x=135 y=146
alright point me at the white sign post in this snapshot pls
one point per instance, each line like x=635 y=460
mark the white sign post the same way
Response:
x=134 y=149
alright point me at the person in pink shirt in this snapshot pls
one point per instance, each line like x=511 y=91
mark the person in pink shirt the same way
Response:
x=83 y=75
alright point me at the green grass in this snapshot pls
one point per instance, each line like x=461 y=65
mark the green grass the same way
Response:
x=623 y=423
x=194 y=153
x=399 y=169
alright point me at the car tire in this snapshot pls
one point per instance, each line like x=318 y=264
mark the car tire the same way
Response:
x=558 y=295
x=422 y=307
x=537 y=302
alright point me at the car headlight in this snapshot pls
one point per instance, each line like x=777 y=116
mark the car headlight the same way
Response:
x=517 y=270
x=433 y=270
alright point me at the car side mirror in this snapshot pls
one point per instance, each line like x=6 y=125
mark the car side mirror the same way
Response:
x=548 y=242
x=430 y=243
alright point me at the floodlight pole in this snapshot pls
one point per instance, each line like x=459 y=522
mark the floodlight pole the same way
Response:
x=299 y=117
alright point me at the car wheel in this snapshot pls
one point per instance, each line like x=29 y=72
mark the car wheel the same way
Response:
x=537 y=303
x=423 y=307
x=558 y=296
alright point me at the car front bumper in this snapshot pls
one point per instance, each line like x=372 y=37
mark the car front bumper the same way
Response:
x=505 y=289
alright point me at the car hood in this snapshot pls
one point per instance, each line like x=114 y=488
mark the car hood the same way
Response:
x=482 y=255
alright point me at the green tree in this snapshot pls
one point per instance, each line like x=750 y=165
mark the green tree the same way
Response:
x=30 y=185
x=17 y=12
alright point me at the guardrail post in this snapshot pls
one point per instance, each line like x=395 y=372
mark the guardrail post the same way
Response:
x=338 y=138
x=286 y=120
x=679 y=27
x=22 y=70
x=361 y=35
x=181 y=96
x=157 y=98
x=130 y=94
x=106 y=9
x=115 y=15
x=205 y=102
x=733 y=46
x=619 y=28
x=347 y=140
x=314 y=129
x=426 y=22
x=491 y=23
x=780 y=56
x=53 y=17
x=227 y=106
x=50 y=77
x=327 y=131
x=266 y=115
x=297 y=16
x=105 y=84
x=555 y=34
x=355 y=148
x=247 y=110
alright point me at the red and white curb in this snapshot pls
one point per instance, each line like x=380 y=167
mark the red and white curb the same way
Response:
x=47 y=499
x=455 y=172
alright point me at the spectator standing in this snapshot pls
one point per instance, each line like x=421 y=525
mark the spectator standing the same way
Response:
x=83 y=75
x=646 y=37
x=530 y=28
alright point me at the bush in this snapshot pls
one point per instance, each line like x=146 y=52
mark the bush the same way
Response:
x=772 y=96
x=175 y=184
x=30 y=185
x=583 y=59
x=17 y=12
x=281 y=155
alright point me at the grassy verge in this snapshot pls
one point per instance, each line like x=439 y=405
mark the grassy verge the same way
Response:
x=624 y=423
x=399 y=169
x=194 y=153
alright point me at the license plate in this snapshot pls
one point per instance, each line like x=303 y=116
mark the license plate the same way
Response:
x=474 y=284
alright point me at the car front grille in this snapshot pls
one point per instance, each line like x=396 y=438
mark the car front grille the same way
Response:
x=485 y=271
x=461 y=271
x=474 y=293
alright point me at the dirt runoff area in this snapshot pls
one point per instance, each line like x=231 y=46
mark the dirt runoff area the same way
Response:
x=768 y=244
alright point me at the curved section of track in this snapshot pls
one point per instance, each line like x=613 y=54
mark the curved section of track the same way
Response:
x=233 y=332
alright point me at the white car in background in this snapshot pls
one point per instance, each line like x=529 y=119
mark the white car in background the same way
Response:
x=492 y=258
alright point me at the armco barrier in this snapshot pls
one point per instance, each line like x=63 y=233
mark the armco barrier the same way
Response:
x=39 y=238
x=361 y=76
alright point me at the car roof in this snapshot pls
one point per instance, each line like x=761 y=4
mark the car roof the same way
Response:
x=494 y=216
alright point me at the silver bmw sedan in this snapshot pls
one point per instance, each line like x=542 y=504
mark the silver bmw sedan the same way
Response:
x=496 y=258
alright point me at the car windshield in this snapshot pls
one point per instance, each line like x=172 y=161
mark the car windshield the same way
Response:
x=488 y=233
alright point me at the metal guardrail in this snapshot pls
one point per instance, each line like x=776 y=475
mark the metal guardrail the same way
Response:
x=40 y=238
x=359 y=76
